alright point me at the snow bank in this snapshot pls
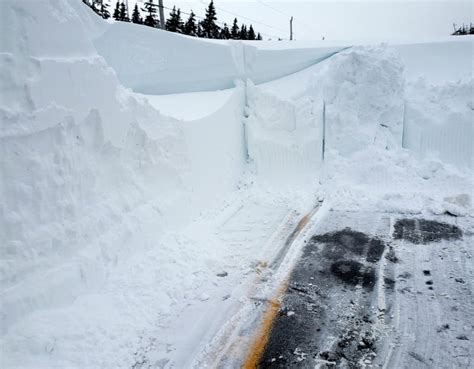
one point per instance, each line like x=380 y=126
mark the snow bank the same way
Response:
x=439 y=121
x=90 y=173
x=351 y=101
x=362 y=89
x=284 y=137
x=438 y=61
x=78 y=152
x=152 y=61
x=155 y=62
x=358 y=103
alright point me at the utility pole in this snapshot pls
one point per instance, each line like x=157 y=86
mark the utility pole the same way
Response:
x=162 y=14
x=291 y=28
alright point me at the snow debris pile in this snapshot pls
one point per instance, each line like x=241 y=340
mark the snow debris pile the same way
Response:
x=362 y=89
x=372 y=122
x=351 y=101
x=357 y=102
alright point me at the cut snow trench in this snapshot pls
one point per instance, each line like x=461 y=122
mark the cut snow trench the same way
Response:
x=99 y=189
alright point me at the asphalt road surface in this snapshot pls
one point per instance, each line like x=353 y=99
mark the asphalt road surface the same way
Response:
x=376 y=290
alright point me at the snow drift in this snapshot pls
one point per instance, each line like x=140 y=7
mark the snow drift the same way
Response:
x=82 y=159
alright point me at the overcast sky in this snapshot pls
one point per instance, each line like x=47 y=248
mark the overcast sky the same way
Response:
x=340 y=20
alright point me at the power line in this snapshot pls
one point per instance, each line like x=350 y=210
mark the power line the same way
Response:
x=306 y=26
x=271 y=7
x=247 y=18
x=222 y=23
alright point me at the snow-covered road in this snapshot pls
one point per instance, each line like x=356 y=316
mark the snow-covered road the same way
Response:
x=379 y=290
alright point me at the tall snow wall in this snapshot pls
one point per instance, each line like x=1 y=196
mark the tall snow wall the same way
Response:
x=83 y=161
x=343 y=105
x=157 y=62
x=439 y=121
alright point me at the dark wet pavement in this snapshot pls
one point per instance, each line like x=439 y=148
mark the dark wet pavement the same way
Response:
x=328 y=314
x=328 y=299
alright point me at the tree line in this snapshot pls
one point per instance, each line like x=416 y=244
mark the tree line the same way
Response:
x=463 y=30
x=207 y=27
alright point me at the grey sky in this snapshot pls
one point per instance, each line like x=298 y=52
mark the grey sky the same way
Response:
x=337 y=20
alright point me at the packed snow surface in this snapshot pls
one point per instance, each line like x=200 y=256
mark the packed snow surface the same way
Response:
x=119 y=211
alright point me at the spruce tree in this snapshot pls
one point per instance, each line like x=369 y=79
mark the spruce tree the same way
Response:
x=123 y=13
x=209 y=26
x=174 y=23
x=243 y=32
x=171 y=22
x=259 y=37
x=190 y=25
x=225 y=33
x=199 y=32
x=99 y=8
x=104 y=12
x=235 y=32
x=116 y=15
x=179 y=22
x=136 y=18
x=150 y=19
x=251 y=34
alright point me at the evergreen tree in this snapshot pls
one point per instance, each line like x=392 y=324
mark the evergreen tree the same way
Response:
x=243 y=32
x=171 y=24
x=93 y=7
x=190 y=25
x=235 y=32
x=209 y=26
x=259 y=37
x=123 y=13
x=251 y=34
x=179 y=22
x=150 y=19
x=98 y=7
x=174 y=23
x=104 y=12
x=225 y=32
x=136 y=18
x=200 y=32
x=116 y=15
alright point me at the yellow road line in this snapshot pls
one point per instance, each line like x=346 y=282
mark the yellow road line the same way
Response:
x=259 y=343
x=257 y=348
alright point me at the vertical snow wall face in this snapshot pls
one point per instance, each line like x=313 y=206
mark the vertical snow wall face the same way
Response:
x=157 y=62
x=352 y=101
x=284 y=137
x=83 y=161
x=439 y=121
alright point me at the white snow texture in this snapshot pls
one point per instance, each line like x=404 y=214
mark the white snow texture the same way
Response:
x=100 y=189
